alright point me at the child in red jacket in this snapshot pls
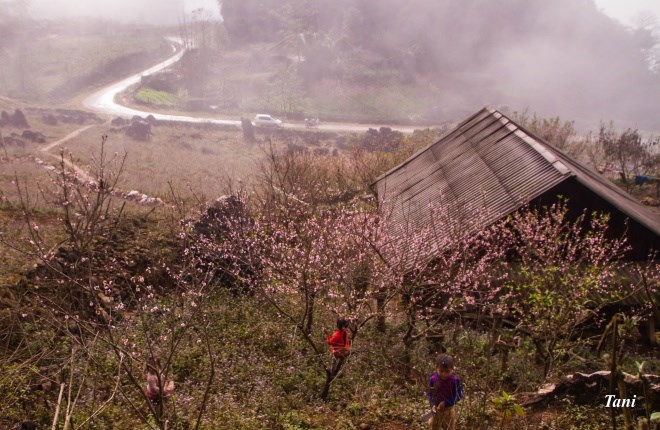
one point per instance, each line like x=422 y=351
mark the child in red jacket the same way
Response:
x=340 y=345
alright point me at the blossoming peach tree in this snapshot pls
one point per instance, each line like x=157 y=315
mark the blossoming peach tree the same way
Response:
x=109 y=313
x=563 y=271
x=304 y=263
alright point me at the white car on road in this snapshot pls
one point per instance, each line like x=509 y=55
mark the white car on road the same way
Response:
x=262 y=120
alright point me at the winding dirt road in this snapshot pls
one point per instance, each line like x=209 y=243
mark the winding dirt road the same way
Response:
x=104 y=101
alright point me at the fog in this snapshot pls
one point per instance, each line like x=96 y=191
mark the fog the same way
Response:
x=629 y=11
x=586 y=60
x=130 y=11
x=561 y=58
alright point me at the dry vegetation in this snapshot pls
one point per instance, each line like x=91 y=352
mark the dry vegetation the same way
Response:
x=199 y=160
x=237 y=361
x=56 y=63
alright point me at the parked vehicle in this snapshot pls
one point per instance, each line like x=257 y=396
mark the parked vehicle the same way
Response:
x=312 y=122
x=262 y=120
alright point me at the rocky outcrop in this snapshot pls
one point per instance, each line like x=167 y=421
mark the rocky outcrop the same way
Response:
x=142 y=199
x=17 y=120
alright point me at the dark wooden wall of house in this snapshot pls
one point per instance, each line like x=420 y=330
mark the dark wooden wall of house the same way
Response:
x=641 y=239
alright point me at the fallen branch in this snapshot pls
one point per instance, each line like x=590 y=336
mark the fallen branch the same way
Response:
x=57 y=408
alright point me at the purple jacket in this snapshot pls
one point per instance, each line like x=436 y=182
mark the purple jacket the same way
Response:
x=447 y=390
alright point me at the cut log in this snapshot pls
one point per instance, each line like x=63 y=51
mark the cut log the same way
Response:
x=592 y=388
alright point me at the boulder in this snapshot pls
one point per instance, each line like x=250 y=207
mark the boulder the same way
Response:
x=33 y=136
x=19 y=120
x=219 y=216
x=132 y=195
x=226 y=213
x=119 y=122
x=248 y=129
x=147 y=201
x=139 y=129
x=14 y=140
x=49 y=119
x=5 y=119
x=72 y=116
x=16 y=120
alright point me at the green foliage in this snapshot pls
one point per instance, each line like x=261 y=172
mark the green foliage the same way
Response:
x=506 y=408
x=561 y=273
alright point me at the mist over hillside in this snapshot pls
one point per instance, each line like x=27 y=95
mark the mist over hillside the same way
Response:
x=158 y=12
x=556 y=58
x=562 y=58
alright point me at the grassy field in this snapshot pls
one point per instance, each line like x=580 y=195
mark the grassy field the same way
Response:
x=56 y=63
x=199 y=161
x=21 y=159
x=192 y=161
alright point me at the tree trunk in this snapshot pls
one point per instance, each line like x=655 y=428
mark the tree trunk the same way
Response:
x=326 y=386
x=310 y=314
x=380 y=308
x=408 y=342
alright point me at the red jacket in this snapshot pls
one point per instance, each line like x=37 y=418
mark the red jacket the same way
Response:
x=339 y=343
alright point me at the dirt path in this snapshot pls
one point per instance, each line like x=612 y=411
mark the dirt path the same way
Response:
x=84 y=176
x=81 y=173
x=66 y=138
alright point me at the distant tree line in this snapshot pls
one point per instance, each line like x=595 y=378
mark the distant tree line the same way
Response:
x=501 y=48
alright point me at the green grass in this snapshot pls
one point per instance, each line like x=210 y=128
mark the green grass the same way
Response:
x=155 y=97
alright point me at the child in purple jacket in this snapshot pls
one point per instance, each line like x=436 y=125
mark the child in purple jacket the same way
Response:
x=445 y=391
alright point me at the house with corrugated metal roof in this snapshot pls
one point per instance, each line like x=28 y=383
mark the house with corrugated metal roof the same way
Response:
x=488 y=167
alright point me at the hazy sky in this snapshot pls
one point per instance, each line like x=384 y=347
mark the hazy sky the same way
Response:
x=170 y=10
x=626 y=10
x=152 y=11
